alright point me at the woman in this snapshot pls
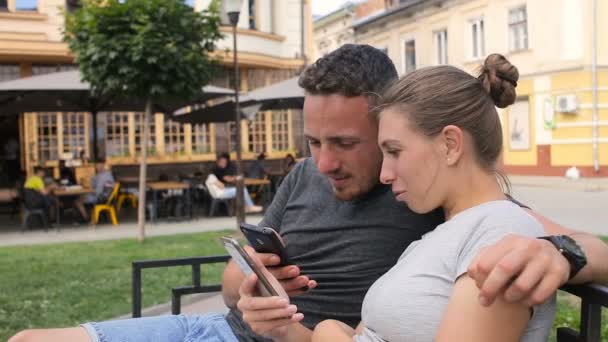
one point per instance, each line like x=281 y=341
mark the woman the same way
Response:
x=441 y=138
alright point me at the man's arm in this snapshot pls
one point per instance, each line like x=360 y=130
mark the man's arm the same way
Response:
x=595 y=249
x=532 y=268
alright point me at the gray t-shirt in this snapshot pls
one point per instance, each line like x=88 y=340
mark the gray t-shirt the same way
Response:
x=343 y=245
x=408 y=302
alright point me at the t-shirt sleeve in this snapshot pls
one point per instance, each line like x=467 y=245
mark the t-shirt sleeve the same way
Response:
x=488 y=233
x=274 y=214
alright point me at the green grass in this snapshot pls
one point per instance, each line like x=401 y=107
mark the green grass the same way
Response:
x=67 y=284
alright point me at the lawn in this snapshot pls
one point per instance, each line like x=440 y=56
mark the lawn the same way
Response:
x=66 y=284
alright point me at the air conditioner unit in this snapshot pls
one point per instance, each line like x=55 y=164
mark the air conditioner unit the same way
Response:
x=566 y=104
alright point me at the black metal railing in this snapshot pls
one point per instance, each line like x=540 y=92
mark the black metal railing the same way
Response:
x=176 y=292
x=593 y=298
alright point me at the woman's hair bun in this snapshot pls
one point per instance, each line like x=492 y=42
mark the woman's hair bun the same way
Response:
x=499 y=78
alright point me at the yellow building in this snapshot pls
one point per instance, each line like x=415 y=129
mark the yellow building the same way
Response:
x=552 y=126
x=273 y=43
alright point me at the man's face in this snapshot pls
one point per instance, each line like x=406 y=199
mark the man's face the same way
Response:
x=222 y=163
x=343 y=140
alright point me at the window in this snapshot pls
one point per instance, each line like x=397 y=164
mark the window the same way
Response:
x=441 y=46
x=477 y=38
x=518 y=29
x=201 y=139
x=280 y=130
x=117 y=135
x=47 y=137
x=409 y=52
x=47 y=69
x=26 y=5
x=3 y=5
x=139 y=134
x=174 y=137
x=9 y=72
x=252 y=23
x=74 y=133
x=257 y=133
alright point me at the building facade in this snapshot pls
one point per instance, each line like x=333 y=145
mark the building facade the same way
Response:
x=557 y=121
x=274 y=42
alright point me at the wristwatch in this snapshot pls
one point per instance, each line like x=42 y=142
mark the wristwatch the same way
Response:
x=570 y=250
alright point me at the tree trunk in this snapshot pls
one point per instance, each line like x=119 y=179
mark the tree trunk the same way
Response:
x=141 y=210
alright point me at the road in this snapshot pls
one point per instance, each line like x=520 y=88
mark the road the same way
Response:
x=574 y=208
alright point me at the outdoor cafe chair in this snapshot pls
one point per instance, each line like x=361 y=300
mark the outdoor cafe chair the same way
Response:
x=108 y=207
x=126 y=196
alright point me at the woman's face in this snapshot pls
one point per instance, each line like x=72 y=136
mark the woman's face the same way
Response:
x=412 y=162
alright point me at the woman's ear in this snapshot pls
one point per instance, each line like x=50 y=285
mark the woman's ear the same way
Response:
x=453 y=141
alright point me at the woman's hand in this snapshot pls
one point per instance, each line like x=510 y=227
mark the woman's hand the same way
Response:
x=267 y=316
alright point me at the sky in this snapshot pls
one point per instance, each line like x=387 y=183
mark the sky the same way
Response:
x=322 y=7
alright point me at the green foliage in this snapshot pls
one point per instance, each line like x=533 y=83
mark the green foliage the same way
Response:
x=62 y=285
x=144 y=48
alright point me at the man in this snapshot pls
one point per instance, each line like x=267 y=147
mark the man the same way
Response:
x=342 y=228
x=40 y=197
x=223 y=172
x=101 y=181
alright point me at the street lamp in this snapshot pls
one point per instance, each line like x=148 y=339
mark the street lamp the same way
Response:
x=233 y=9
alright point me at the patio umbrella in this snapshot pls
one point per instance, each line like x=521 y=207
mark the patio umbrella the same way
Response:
x=65 y=92
x=286 y=94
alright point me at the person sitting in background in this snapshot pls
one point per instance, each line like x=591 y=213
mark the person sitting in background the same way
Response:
x=44 y=201
x=66 y=178
x=288 y=163
x=66 y=174
x=257 y=169
x=224 y=170
x=101 y=181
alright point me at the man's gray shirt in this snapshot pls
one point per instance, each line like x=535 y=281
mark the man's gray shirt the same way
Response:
x=343 y=245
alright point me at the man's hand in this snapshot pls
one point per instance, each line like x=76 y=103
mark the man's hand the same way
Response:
x=288 y=276
x=267 y=316
x=522 y=268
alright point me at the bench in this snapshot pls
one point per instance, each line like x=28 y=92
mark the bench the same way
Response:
x=593 y=297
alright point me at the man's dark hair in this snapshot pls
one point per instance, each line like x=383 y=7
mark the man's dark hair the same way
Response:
x=223 y=155
x=352 y=70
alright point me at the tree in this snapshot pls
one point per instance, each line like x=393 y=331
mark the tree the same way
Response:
x=148 y=50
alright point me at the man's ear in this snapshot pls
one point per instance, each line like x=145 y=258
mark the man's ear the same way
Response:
x=452 y=139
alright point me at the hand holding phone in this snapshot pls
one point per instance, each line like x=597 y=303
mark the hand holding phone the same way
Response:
x=267 y=284
x=265 y=240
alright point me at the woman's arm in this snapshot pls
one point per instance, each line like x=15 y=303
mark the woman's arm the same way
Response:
x=334 y=331
x=466 y=320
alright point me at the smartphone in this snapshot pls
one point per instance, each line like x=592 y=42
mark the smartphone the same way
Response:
x=265 y=240
x=267 y=285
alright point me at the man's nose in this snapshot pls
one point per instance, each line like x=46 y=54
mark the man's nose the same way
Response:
x=327 y=162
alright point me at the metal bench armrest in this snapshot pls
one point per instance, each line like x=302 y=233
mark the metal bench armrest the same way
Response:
x=177 y=292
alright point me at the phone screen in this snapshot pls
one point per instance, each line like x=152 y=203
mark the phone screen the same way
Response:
x=247 y=266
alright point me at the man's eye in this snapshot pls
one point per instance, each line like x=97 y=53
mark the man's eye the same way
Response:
x=347 y=144
x=313 y=142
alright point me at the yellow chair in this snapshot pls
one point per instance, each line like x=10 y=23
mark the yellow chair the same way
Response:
x=122 y=197
x=108 y=206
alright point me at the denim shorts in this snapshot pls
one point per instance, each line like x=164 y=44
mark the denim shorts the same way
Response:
x=196 y=328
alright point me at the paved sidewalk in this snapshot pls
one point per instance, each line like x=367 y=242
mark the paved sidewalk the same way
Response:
x=581 y=184
x=122 y=231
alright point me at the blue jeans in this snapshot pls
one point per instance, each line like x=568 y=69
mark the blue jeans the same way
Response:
x=230 y=192
x=196 y=328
